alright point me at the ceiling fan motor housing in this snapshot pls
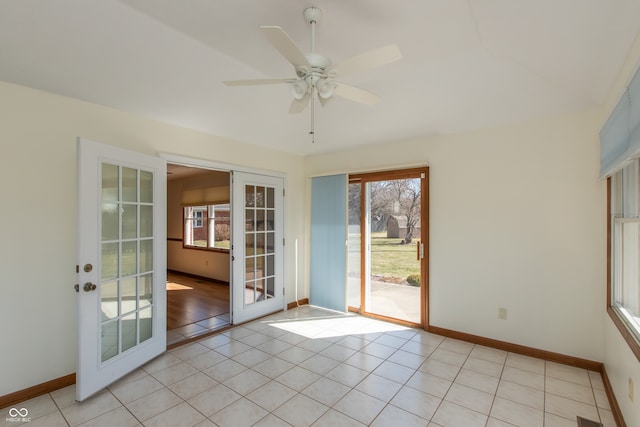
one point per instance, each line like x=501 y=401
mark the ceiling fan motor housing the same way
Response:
x=315 y=75
x=318 y=65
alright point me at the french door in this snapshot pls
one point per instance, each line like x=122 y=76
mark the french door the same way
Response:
x=121 y=296
x=388 y=245
x=257 y=246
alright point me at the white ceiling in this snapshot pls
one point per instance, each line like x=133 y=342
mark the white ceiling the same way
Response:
x=467 y=64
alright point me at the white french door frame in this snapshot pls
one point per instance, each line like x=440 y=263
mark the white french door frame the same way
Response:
x=257 y=245
x=92 y=372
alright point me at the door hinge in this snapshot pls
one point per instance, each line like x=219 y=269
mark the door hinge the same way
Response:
x=283 y=192
x=282 y=291
x=283 y=241
x=77 y=269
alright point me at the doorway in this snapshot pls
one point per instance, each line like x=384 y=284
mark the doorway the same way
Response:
x=198 y=245
x=388 y=245
x=216 y=217
x=135 y=224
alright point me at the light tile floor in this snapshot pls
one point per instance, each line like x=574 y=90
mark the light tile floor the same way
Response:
x=309 y=366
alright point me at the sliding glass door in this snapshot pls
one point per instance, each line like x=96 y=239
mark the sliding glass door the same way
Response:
x=388 y=250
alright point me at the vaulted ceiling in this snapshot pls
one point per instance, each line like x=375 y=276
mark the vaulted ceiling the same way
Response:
x=467 y=64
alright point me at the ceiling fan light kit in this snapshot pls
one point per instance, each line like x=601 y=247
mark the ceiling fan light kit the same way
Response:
x=315 y=73
x=325 y=88
x=299 y=88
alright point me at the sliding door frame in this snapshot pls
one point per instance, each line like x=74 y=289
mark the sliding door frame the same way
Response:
x=413 y=173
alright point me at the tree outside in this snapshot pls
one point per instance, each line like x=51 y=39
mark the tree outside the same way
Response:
x=396 y=197
x=392 y=259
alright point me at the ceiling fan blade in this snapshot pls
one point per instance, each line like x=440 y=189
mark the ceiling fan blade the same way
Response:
x=355 y=94
x=287 y=48
x=298 y=105
x=367 y=60
x=255 y=82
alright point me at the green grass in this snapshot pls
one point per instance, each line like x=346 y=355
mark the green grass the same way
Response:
x=389 y=258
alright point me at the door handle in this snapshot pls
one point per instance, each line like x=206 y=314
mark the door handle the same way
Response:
x=88 y=287
x=418 y=251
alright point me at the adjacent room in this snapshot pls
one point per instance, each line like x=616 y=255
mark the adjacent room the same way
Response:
x=320 y=213
x=198 y=243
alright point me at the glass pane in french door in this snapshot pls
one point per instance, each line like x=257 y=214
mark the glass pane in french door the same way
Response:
x=126 y=258
x=259 y=238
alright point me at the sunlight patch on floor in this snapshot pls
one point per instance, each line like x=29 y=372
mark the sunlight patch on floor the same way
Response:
x=337 y=325
x=171 y=286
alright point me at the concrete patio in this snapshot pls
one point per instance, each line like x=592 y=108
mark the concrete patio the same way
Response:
x=388 y=299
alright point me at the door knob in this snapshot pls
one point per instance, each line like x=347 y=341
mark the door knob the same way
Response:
x=88 y=287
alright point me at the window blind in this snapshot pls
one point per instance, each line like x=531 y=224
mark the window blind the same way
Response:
x=620 y=135
x=205 y=196
x=328 y=267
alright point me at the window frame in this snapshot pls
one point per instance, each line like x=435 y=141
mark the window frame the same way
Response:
x=207 y=223
x=619 y=317
x=197 y=218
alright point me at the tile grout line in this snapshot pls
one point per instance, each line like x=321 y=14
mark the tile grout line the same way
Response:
x=59 y=409
x=124 y=406
x=544 y=400
x=493 y=400
x=394 y=395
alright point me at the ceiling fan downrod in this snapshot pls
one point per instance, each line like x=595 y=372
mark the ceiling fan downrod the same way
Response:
x=312 y=131
x=312 y=15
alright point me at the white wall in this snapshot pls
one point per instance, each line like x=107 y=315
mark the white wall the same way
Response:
x=620 y=363
x=517 y=220
x=38 y=225
x=204 y=263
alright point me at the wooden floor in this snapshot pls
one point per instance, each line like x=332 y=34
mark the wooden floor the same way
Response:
x=192 y=300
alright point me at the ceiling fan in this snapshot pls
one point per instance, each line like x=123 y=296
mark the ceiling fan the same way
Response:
x=315 y=73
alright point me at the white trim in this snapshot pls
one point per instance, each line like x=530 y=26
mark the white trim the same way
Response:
x=209 y=164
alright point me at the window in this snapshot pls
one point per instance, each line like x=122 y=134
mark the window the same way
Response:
x=198 y=215
x=207 y=227
x=624 y=247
